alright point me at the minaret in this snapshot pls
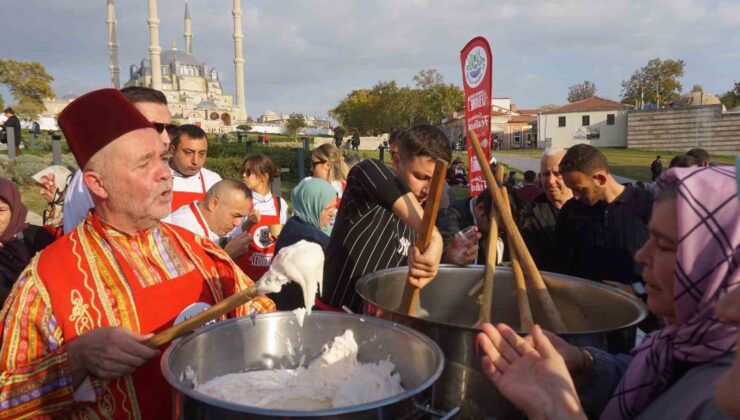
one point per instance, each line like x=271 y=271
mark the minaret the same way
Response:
x=188 y=31
x=113 y=46
x=239 y=57
x=154 y=48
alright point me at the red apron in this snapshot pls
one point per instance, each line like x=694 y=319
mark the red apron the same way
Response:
x=156 y=308
x=183 y=198
x=261 y=250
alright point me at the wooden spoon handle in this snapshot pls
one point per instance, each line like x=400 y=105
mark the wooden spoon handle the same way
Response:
x=189 y=325
x=526 y=321
x=410 y=296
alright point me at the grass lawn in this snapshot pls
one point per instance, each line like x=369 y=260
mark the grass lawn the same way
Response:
x=630 y=163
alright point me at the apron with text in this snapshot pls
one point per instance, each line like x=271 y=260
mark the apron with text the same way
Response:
x=261 y=248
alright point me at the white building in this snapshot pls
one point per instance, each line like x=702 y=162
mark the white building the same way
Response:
x=595 y=121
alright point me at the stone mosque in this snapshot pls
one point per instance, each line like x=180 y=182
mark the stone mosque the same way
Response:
x=193 y=89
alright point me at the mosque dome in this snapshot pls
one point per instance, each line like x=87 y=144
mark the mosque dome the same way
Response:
x=170 y=56
x=206 y=104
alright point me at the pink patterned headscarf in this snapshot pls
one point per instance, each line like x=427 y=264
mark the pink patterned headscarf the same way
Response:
x=706 y=269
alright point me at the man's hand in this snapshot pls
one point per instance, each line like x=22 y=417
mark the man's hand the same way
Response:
x=423 y=267
x=463 y=249
x=529 y=373
x=108 y=353
x=237 y=246
x=48 y=187
x=253 y=218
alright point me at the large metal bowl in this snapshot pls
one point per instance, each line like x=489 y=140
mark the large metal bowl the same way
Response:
x=276 y=340
x=595 y=314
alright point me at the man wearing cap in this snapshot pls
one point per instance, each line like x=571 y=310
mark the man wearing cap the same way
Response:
x=153 y=105
x=75 y=325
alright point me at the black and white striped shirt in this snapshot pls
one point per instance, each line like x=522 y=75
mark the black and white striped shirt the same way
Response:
x=367 y=236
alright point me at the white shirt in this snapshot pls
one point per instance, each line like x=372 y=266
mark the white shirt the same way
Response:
x=182 y=183
x=265 y=204
x=77 y=202
x=186 y=218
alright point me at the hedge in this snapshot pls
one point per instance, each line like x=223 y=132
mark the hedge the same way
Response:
x=226 y=159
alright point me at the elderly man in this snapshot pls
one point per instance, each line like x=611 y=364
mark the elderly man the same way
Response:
x=537 y=220
x=600 y=231
x=153 y=105
x=76 y=322
x=191 y=180
x=225 y=205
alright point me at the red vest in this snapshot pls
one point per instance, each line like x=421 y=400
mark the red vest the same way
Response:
x=183 y=198
x=261 y=249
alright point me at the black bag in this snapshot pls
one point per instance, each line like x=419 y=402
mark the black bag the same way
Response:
x=4 y=137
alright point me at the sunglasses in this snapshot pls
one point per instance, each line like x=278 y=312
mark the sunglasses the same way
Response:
x=160 y=127
x=314 y=163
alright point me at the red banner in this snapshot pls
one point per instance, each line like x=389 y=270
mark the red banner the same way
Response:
x=477 y=67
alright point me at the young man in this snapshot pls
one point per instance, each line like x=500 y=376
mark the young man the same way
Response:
x=226 y=203
x=528 y=191
x=153 y=105
x=191 y=180
x=656 y=167
x=701 y=156
x=599 y=232
x=381 y=212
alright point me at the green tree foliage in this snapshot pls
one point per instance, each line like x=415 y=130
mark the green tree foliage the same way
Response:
x=386 y=106
x=697 y=88
x=581 y=91
x=244 y=127
x=29 y=83
x=656 y=82
x=731 y=98
x=295 y=122
x=2 y=102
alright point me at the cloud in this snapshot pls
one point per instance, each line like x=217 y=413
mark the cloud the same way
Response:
x=306 y=55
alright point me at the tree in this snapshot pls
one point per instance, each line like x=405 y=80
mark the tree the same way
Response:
x=657 y=82
x=428 y=78
x=581 y=91
x=731 y=98
x=295 y=122
x=244 y=127
x=697 y=88
x=2 y=102
x=29 y=84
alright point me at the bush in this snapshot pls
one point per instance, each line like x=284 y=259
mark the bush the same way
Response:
x=226 y=159
x=22 y=168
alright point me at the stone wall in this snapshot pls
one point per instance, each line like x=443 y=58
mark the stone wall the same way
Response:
x=680 y=129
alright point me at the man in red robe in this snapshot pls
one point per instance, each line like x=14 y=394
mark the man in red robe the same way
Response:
x=75 y=326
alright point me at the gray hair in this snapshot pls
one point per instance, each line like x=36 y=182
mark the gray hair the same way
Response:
x=552 y=151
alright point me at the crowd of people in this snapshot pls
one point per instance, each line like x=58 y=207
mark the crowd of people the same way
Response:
x=143 y=234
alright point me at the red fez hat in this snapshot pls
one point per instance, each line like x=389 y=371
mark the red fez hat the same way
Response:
x=97 y=118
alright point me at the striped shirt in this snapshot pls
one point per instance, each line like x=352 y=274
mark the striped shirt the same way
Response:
x=367 y=236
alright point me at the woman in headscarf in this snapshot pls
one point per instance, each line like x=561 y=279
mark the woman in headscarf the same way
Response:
x=314 y=205
x=690 y=262
x=19 y=242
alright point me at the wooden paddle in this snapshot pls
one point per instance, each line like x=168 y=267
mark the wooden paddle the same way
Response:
x=484 y=310
x=189 y=325
x=512 y=232
x=526 y=321
x=410 y=297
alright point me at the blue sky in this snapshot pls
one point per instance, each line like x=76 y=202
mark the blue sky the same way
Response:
x=304 y=56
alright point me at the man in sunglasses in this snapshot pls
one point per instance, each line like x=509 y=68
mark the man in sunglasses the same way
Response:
x=191 y=180
x=153 y=105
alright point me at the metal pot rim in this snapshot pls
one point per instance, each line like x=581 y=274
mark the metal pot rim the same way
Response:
x=174 y=381
x=363 y=281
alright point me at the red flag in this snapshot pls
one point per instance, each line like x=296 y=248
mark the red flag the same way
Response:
x=477 y=68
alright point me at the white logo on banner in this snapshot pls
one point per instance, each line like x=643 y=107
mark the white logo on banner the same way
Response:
x=476 y=64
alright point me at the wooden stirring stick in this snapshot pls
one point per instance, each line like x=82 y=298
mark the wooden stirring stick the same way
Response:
x=189 y=325
x=484 y=310
x=526 y=321
x=410 y=297
x=530 y=269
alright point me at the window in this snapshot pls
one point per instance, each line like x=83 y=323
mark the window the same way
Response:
x=609 y=119
x=561 y=121
x=586 y=120
x=517 y=138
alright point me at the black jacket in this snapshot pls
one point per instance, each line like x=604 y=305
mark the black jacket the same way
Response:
x=537 y=223
x=17 y=253
x=15 y=123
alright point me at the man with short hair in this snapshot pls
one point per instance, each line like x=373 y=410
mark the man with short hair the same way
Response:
x=191 y=180
x=701 y=156
x=381 y=212
x=528 y=191
x=75 y=326
x=13 y=122
x=153 y=105
x=600 y=230
x=538 y=220
x=226 y=203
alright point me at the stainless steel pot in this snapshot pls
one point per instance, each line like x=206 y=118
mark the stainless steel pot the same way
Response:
x=277 y=341
x=595 y=314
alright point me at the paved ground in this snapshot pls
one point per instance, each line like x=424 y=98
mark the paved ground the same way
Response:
x=524 y=163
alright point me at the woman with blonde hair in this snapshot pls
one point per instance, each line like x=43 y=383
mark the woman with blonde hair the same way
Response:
x=328 y=164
